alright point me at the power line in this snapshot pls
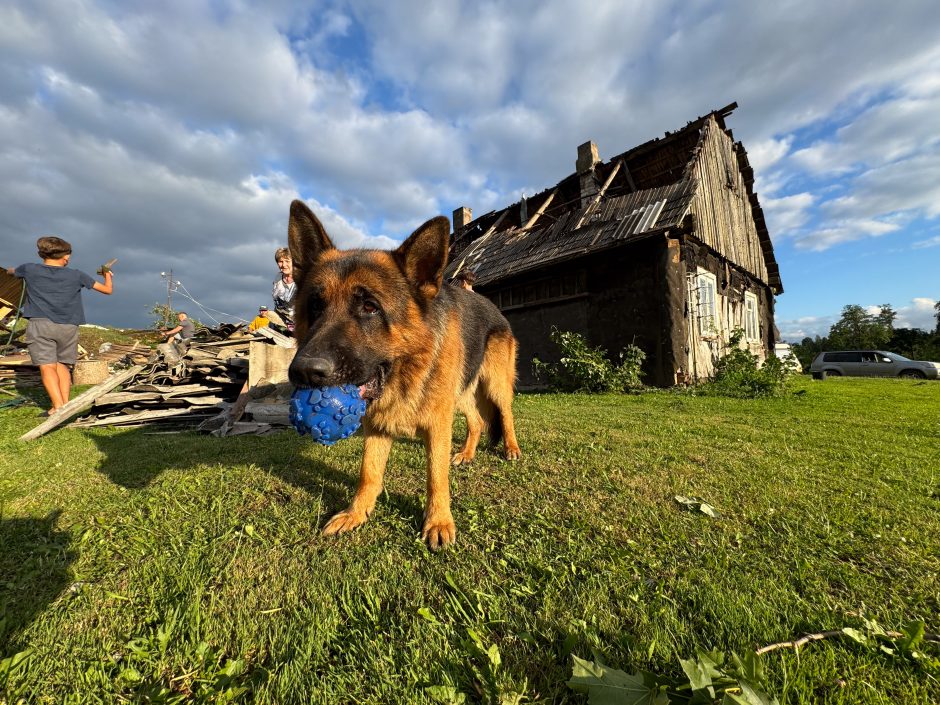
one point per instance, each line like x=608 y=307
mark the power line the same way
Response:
x=206 y=309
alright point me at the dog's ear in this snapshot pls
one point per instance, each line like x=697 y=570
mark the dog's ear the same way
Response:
x=423 y=256
x=306 y=238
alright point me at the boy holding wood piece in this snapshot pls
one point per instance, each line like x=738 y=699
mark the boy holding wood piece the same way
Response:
x=54 y=308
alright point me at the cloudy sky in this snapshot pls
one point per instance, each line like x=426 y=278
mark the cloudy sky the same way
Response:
x=174 y=135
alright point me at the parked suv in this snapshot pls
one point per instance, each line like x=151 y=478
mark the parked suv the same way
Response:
x=871 y=363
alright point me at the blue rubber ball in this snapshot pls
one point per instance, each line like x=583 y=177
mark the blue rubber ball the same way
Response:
x=328 y=414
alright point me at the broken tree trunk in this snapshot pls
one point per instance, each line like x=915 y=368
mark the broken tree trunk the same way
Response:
x=81 y=402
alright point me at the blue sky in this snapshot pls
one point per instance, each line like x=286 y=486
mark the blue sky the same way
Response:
x=175 y=134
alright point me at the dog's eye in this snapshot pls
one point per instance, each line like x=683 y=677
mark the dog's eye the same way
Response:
x=370 y=307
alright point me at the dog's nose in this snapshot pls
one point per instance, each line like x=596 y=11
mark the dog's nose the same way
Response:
x=310 y=371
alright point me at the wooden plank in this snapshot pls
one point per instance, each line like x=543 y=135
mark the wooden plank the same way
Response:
x=278 y=338
x=81 y=402
x=125 y=419
x=531 y=221
x=271 y=413
x=126 y=398
x=600 y=194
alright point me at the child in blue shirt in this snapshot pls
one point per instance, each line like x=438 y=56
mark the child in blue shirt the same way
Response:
x=54 y=309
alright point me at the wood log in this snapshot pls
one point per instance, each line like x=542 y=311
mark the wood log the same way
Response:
x=81 y=402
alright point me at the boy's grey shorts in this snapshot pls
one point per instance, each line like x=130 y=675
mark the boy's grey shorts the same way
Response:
x=49 y=343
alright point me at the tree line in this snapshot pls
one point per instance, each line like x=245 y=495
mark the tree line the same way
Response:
x=858 y=329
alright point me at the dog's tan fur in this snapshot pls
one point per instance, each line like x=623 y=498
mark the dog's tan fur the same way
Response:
x=425 y=339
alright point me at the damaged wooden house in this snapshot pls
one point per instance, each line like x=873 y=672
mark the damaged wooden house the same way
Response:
x=664 y=246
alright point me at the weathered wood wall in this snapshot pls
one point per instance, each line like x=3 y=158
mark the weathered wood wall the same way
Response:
x=620 y=299
x=732 y=283
x=721 y=210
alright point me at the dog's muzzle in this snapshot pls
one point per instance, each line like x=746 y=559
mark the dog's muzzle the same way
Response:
x=307 y=371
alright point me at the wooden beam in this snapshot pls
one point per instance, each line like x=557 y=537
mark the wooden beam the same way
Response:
x=531 y=221
x=600 y=194
x=474 y=246
x=278 y=338
x=81 y=402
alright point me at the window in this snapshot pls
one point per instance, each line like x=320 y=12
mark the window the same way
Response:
x=843 y=357
x=751 y=319
x=706 y=289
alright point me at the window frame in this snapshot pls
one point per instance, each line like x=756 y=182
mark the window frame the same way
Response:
x=707 y=322
x=751 y=317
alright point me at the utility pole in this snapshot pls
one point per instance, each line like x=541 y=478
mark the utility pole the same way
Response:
x=169 y=292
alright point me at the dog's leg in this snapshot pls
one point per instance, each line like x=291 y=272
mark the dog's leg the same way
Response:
x=498 y=375
x=374 y=459
x=439 y=529
x=469 y=405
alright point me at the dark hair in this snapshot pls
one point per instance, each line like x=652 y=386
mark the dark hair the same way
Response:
x=52 y=247
x=465 y=275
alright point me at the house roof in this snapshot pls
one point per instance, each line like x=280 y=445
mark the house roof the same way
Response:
x=502 y=252
x=649 y=190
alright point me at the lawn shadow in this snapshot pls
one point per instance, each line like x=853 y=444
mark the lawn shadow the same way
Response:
x=134 y=458
x=34 y=562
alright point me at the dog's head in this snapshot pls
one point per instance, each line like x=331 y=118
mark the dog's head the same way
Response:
x=358 y=312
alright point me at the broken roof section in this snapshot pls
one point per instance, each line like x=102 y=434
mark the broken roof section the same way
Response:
x=641 y=192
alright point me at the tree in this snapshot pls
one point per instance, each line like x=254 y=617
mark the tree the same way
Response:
x=909 y=342
x=886 y=316
x=808 y=348
x=162 y=315
x=937 y=306
x=858 y=329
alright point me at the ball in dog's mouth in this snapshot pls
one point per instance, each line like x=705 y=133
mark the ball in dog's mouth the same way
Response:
x=372 y=388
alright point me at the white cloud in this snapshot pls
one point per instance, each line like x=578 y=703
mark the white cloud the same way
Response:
x=919 y=313
x=929 y=242
x=176 y=133
x=787 y=213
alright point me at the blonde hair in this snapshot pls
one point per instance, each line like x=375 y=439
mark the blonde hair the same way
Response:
x=281 y=253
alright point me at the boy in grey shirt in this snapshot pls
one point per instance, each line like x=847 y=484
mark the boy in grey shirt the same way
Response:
x=54 y=309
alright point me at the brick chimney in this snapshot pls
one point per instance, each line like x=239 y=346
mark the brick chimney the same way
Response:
x=462 y=216
x=587 y=160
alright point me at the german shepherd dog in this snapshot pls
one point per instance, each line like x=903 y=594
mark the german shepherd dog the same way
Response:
x=417 y=348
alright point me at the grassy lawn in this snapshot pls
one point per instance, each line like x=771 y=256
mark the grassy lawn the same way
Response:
x=136 y=566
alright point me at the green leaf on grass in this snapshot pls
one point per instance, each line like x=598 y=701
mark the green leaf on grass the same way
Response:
x=708 y=509
x=855 y=635
x=698 y=674
x=913 y=634
x=427 y=614
x=445 y=694
x=608 y=686
x=697 y=503
x=747 y=694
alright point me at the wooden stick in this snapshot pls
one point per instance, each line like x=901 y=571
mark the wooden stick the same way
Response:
x=81 y=402
x=819 y=636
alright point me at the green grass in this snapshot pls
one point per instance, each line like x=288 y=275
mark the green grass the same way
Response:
x=136 y=566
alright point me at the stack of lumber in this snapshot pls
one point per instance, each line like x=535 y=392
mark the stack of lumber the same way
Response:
x=17 y=371
x=204 y=387
x=172 y=390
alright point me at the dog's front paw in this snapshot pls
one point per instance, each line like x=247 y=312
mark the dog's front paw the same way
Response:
x=346 y=520
x=439 y=531
x=462 y=458
x=512 y=453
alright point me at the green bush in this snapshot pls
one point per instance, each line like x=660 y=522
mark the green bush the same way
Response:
x=586 y=369
x=739 y=374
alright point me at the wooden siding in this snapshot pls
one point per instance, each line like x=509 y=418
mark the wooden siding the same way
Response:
x=723 y=217
x=731 y=286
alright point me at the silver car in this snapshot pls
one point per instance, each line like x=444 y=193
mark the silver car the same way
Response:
x=871 y=363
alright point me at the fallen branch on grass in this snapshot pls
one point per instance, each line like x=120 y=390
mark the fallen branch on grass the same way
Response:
x=819 y=636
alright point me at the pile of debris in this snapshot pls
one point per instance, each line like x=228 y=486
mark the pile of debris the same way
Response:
x=226 y=382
